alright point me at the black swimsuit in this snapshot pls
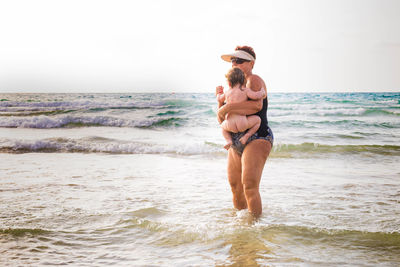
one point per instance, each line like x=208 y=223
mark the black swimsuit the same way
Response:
x=264 y=132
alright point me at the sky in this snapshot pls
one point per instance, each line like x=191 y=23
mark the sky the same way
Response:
x=175 y=45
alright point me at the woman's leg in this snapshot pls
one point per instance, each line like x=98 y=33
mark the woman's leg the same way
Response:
x=235 y=179
x=253 y=160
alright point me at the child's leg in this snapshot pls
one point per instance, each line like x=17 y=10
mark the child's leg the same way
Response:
x=253 y=124
x=228 y=138
x=229 y=126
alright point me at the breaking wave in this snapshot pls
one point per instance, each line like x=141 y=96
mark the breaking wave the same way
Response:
x=47 y=122
x=114 y=146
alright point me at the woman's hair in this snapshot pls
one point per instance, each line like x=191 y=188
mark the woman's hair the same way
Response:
x=235 y=76
x=247 y=49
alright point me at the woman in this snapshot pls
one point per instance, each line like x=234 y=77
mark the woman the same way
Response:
x=246 y=162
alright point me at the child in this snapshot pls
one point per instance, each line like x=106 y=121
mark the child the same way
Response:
x=238 y=93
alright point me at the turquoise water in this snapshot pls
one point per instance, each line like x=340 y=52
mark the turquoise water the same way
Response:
x=139 y=179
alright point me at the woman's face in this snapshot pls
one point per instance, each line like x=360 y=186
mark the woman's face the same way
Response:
x=246 y=66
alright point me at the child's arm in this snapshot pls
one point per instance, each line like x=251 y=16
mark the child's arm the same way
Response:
x=244 y=108
x=255 y=95
x=218 y=91
x=221 y=99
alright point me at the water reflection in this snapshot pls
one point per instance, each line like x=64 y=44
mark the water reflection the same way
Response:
x=247 y=248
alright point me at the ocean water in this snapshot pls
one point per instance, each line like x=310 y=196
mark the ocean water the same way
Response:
x=140 y=180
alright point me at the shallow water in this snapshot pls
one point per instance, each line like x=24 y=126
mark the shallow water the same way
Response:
x=153 y=191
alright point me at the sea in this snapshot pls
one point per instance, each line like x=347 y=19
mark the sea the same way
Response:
x=140 y=180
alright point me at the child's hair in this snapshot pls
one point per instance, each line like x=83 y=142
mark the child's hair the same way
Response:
x=235 y=76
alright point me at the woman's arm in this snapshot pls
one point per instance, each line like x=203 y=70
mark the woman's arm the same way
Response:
x=255 y=83
x=244 y=108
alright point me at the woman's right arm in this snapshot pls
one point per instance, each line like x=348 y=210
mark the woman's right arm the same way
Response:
x=244 y=108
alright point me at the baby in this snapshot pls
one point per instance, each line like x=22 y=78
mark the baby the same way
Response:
x=238 y=93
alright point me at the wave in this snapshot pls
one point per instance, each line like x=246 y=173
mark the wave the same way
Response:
x=334 y=112
x=35 y=113
x=348 y=136
x=342 y=237
x=380 y=112
x=68 y=121
x=35 y=110
x=306 y=123
x=169 y=112
x=22 y=110
x=17 y=232
x=313 y=148
x=104 y=102
x=106 y=145
x=170 y=118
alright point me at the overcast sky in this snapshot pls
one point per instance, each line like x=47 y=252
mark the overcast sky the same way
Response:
x=167 y=45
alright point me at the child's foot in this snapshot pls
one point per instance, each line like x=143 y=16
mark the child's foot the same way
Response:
x=244 y=139
x=227 y=145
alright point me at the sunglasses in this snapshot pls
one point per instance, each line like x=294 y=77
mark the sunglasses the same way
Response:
x=238 y=60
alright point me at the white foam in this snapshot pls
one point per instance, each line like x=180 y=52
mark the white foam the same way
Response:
x=103 y=145
x=46 y=122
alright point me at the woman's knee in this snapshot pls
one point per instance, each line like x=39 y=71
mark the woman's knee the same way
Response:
x=234 y=170
x=236 y=188
x=250 y=186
